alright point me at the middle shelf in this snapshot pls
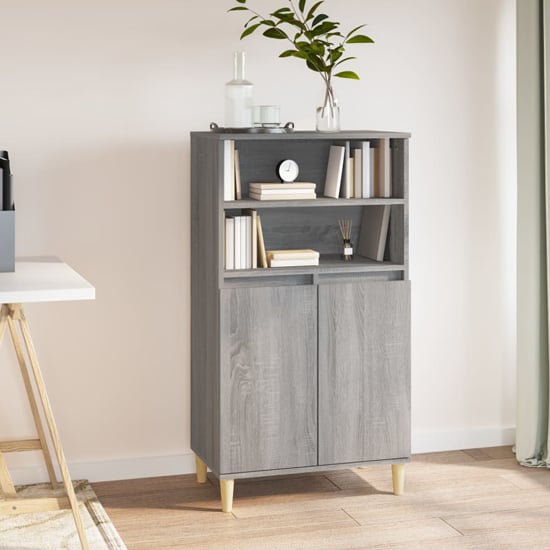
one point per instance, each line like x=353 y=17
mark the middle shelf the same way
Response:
x=318 y=202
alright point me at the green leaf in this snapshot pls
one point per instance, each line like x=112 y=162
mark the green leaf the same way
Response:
x=251 y=19
x=303 y=45
x=293 y=53
x=344 y=60
x=335 y=55
x=316 y=63
x=324 y=28
x=355 y=30
x=249 y=30
x=360 y=39
x=318 y=19
x=283 y=12
x=275 y=33
x=311 y=49
x=302 y=5
x=238 y=8
x=313 y=10
x=241 y=1
x=348 y=74
x=313 y=67
x=288 y=18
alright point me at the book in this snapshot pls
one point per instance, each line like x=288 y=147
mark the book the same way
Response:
x=262 y=258
x=253 y=236
x=254 y=239
x=293 y=263
x=282 y=191
x=229 y=242
x=293 y=185
x=365 y=171
x=382 y=184
x=372 y=169
x=335 y=167
x=375 y=171
x=238 y=194
x=351 y=165
x=373 y=232
x=358 y=173
x=345 y=187
x=237 y=242
x=246 y=243
x=228 y=170
x=285 y=196
x=292 y=254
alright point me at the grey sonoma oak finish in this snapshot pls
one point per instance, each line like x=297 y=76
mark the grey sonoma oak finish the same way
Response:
x=306 y=368
x=269 y=376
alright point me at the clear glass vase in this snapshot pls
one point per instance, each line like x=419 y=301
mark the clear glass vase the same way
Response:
x=328 y=114
x=238 y=96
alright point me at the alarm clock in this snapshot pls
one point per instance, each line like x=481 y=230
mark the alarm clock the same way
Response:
x=287 y=170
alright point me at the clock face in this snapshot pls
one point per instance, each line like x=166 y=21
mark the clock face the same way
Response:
x=288 y=170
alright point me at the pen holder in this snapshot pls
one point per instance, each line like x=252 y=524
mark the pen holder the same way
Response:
x=7 y=240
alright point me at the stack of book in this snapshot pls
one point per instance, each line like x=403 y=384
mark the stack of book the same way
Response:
x=244 y=241
x=240 y=240
x=281 y=191
x=292 y=258
x=359 y=170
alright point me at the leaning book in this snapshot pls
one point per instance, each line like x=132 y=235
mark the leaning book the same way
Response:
x=374 y=232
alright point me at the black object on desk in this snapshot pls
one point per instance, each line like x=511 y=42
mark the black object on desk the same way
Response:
x=6 y=199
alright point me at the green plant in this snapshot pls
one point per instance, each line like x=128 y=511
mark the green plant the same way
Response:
x=314 y=36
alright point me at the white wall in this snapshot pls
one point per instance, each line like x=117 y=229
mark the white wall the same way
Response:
x=97 y=102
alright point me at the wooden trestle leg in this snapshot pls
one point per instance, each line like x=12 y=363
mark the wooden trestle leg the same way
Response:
x=10 y=314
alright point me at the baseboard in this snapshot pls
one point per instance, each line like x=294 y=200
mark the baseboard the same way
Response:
x=453 y=440
x=177 y=464
x=110 y=470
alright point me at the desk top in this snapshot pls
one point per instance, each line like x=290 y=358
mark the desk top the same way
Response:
x=43 y=280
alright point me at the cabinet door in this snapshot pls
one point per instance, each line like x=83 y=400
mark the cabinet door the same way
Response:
x=364 y=372
x=268 y=392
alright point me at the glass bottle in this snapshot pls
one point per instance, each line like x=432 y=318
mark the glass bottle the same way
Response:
x=238 y=96
x=328 y=115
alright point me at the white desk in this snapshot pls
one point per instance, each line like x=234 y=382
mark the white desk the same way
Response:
x=37 y=280
x=43 y=280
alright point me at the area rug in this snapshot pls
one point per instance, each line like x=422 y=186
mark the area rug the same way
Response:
x=57 y=530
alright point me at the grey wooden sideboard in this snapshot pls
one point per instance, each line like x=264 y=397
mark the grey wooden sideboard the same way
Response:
x=297 y=369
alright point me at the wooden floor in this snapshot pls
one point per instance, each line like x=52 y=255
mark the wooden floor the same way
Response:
x=477 y=498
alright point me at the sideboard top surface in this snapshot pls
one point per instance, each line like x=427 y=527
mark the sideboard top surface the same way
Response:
x=304 y=135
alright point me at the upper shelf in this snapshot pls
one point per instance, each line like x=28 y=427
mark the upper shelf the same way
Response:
x=306 y=203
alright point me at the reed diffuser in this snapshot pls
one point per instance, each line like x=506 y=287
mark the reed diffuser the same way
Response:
x=345 y=231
